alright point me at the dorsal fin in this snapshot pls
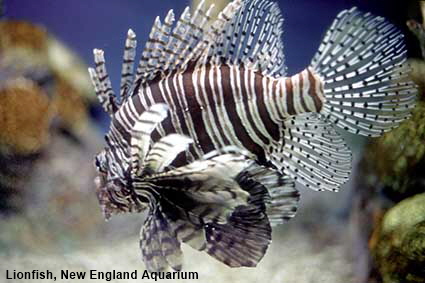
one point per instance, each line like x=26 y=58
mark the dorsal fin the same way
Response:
x=215 y=29
x=167 y=49
x=245 y=32
x=102 y=83
x=101 y=96
x=251 y=35
x=158 y=39
x=128 y=64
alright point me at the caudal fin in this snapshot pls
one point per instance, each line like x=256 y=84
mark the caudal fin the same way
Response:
x=362 y=63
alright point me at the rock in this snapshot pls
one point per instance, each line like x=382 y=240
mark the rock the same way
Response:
x=398 y=247
x=25 y=117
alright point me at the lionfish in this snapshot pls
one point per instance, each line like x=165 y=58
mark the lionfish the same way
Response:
x=219 y=169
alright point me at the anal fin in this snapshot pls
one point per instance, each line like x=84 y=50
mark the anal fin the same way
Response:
x=312 y=153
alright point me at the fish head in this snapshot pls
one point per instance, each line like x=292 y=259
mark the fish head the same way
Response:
x=113 y=186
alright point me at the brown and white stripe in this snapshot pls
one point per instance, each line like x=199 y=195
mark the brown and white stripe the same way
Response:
x=221 y=105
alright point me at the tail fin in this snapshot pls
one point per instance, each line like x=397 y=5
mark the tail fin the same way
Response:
x=362 y=63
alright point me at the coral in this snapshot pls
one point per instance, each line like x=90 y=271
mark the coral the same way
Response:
x=25 y=115
x=389 y=204
x=418 y=29
x=70 y=107
x=20 y=34
x=399 y=249
x=29 y=51
x=418 y=75
x=44 y=89
x=398 y=155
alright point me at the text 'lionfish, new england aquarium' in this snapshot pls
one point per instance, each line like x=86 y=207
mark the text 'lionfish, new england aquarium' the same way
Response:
x=210 y=135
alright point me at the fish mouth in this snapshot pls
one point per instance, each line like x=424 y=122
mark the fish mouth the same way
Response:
x=116 y=199
x=104 y=196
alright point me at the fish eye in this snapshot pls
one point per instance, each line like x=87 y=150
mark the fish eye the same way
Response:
x=97 y=162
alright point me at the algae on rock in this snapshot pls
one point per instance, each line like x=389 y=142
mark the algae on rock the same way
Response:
x=399 y=249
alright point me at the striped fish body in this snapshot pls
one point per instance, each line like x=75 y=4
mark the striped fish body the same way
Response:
x=222 y=105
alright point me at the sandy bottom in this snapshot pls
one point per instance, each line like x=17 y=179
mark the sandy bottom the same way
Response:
x=301 y=251
x=291 y=258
